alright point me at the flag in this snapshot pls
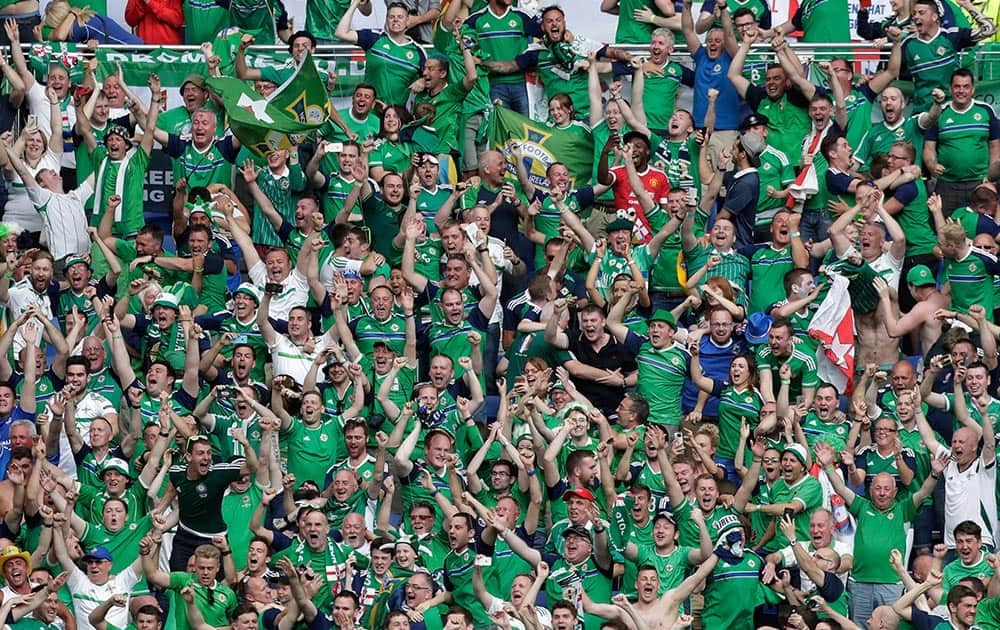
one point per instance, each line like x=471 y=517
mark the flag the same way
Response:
x=283 y=119
x=833 y=326
x=542 y=145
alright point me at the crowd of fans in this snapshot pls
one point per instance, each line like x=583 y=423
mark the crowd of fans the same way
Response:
x=342 y=392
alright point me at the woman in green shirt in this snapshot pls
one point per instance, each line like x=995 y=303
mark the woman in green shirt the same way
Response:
x=392 y=151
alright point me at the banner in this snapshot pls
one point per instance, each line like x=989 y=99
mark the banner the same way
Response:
x=282 y=120
x=542 y=145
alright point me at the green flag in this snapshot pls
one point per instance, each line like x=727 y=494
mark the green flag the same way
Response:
x=282 y=120
x=542 y=145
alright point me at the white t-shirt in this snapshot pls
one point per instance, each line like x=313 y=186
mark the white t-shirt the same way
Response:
x=87 y=596
x=544 y=616
x=64 y=220
x=295 y=290
x=19 y=208
x=842 y=548
x=292 y=360
x=38 y=104
x=968 y=495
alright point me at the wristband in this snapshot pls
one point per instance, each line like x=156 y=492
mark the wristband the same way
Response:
x=786 y=381
x=532 y=472
x=226 y=553
x=793 y=235
x=933 y=476
x=599 y=530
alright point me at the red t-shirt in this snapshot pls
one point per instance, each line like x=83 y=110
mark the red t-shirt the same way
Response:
x=653 y=180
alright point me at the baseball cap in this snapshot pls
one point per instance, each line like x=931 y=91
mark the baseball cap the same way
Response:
x=249 y=289
x=582 y=493
x=618 y=224
x=73 y=260
x=117 y=464
x=166 y=299
x=97 y=553
x=663 y=315
x=920 y=276
x=197 y=79
x=753 y=120
x=798 y=451
x=582 y=532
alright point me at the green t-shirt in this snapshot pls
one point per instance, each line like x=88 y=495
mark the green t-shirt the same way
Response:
x=808 y=492
x=877 y=533
x=389 y=66
x=732 y=592
x=659 y=95
x=215 y=603
x=768 y=267
x=313 y=450
x=959 y=135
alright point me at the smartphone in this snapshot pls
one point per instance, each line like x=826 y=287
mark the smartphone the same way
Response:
x=678 y=436
x=32 y=120
x=484 y=561
x=334 y=147
x=227 y=393
x=472 y=231
x=274 y=288
x=240 y=339
x=790 y=513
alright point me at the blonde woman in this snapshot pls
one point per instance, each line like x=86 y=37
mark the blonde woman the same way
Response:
x=71 y=24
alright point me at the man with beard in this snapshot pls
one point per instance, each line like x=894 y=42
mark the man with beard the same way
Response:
x=779 y=351
x=635 y=183
x=358 y=460
x=562 y=59
x=34 y=289
x=894 y=126
x=80 y=287
x=203 y=267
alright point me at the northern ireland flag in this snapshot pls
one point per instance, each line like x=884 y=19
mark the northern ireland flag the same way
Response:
x=833 y=326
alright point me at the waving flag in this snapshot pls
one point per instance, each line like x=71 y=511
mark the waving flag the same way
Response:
x=281 y=121
x=833 y=326
x=542 y=145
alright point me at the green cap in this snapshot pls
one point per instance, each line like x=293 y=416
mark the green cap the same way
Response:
x=920 y=276
x=72 y=260
x=618 y=224
x=663 y=315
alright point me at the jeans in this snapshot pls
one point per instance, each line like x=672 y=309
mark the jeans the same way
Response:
x=511 y=95
x=866 y=597
x=815 y=225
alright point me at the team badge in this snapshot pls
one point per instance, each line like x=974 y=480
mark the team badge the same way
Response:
x=940 y=50
x=323 y=437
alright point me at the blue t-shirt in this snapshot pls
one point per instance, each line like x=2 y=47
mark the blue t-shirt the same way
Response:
x=712 y=73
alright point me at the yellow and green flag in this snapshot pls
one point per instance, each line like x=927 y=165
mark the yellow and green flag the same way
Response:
x=280 y=121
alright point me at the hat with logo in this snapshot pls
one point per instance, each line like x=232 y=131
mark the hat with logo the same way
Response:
x=920 y=276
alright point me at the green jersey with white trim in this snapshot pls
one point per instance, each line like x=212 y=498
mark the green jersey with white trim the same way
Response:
x=971 y=280
x=958 y=135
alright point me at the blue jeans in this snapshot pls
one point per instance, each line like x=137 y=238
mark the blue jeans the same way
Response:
x=511 y=95
x=866 y=597
x=815 y=225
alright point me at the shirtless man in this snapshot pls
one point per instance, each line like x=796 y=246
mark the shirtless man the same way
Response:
x=921 y=285
x=650 y=612
x=874 y=343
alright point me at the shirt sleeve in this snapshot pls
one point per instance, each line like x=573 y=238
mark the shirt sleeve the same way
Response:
x=367 y=38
